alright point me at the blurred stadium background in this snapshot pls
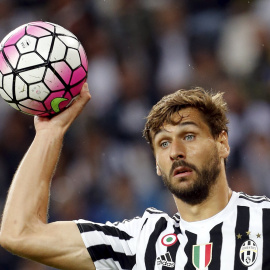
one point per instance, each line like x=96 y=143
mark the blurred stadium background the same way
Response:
x=139 y=50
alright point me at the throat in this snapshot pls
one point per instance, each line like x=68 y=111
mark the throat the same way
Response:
x=206 y=209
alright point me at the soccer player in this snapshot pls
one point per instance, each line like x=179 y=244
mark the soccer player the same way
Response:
x=215 y=228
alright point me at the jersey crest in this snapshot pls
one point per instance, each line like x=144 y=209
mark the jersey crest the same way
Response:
x=248 y=252
x=202 y=255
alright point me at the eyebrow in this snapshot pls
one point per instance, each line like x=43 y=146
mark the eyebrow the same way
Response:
x=181 y=124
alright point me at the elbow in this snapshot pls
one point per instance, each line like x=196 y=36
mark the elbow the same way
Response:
x=6 y=241
x=10 y=243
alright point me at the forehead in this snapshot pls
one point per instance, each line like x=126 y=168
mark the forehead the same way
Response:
x=186 y=114
x=184 y=117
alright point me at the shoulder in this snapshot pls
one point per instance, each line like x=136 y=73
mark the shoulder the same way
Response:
x=155 y=214
x=253 y=200
x=150 y=218
x=156 y=220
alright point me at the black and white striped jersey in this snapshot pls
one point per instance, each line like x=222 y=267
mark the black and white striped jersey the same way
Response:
x=236 y=238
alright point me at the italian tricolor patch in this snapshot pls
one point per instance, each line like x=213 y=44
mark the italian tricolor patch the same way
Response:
x=202 y=255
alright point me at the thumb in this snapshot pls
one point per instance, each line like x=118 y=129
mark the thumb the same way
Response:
x=82 y=99
x=85 y=94
x=75 y=108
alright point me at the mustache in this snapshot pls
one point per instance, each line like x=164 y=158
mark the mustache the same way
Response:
x=182 y=163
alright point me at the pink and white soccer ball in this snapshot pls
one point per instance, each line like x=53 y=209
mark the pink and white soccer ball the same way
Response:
x=42 y=68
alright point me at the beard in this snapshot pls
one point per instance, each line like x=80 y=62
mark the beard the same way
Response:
x=200 y=188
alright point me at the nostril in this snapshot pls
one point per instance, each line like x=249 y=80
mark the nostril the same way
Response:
x=179 y=157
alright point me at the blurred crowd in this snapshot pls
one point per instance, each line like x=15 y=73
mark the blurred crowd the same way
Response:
x=138 y=51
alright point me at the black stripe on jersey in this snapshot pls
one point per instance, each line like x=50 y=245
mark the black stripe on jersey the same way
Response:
x=107 y=230
x=216 y=239
x=192 y=240
x=153 y=210
x=266 y=237
x=242 y=226
x=100 y=252
x=173 y=249
x=150 y=253
x=144 y=224
x=176 y=217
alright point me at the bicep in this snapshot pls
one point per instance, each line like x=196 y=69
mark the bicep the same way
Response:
x=59 y=245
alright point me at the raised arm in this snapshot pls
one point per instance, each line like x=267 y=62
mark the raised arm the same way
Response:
x=24 y=229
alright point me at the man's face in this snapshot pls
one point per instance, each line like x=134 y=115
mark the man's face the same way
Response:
x=187 y=156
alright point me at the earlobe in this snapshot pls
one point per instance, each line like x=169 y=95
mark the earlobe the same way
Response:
x=158 y=170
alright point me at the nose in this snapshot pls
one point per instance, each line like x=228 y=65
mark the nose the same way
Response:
x=177 y=151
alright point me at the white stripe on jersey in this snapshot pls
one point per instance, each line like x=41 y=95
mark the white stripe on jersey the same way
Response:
x=255 y=228
x=181 y=258
x=228 y=243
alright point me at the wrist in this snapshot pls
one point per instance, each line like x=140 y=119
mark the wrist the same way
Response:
x=50 y=134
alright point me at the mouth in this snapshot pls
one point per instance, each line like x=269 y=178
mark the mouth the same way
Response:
x=182 y=171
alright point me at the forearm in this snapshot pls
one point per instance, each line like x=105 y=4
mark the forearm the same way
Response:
x=25 y=230
x=28 y=198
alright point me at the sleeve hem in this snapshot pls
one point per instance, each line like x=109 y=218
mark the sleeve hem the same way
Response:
x=92 y=255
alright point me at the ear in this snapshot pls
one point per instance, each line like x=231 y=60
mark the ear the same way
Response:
x=158 y=170
x=223 y=144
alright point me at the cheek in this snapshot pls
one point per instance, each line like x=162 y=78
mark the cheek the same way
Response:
x=195 y=151
x=200 y=151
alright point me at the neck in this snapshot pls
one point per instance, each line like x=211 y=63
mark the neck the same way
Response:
x=217 y=200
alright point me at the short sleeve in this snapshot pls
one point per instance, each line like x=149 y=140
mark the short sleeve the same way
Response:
x=111 y=245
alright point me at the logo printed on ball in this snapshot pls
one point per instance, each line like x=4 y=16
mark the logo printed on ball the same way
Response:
x=56 y=102
x=26 y=43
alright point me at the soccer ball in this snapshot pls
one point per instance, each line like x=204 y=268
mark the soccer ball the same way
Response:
x=42 y=68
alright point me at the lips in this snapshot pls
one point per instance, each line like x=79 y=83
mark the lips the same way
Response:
x=181 y=171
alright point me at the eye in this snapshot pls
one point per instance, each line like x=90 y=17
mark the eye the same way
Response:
x=164 y=144
x=189 y=137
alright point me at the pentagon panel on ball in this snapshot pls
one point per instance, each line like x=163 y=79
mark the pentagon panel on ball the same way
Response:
x=42 y=68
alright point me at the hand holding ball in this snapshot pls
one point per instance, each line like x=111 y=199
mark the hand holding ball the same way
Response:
x=42 y=68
